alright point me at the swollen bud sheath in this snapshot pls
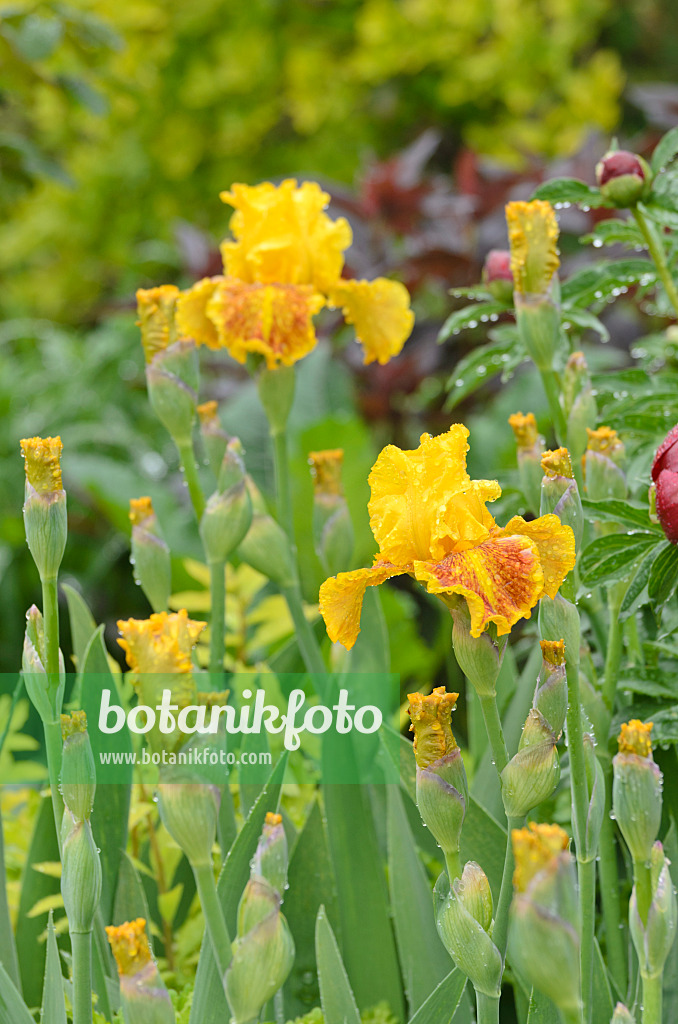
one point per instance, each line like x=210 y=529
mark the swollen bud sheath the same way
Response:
x=214 y=437
x=46 y=699
x=637 y=790
x=530 y=448
x=533 y=773
x=228 y=512
x=80 y=876
x=189 y=812
x=150 y=554
x=78 y=771
x=266 y=547
x=579 y=403
x=653 y=941
x=45 y=519
x=464 y=920
x=332 y=527
x=480 y=657
x=603 y=464
x=560 y=494
x=144 y=997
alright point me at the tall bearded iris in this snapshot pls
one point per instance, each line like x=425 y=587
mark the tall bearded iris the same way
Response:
x=430 y=520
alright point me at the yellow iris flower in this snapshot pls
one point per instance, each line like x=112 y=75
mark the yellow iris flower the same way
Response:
x=282 y=266
x=162 y=643
x=533 y=238
x=430 y=520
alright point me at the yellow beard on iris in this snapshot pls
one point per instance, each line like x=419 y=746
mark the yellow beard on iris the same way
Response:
x=430 y=520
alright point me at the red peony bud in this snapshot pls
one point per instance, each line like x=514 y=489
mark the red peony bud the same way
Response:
x=497 y=274
x=665 y=477
x=623 y=177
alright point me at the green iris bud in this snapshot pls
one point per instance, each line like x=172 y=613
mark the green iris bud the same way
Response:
x=480 y=657
x=228 y=512
x=560 y=494
x=579 y=404
x=559 y=620
x=653 y=941
x=47 y=701
x=172 y=380
x=603 y=465
x=265 y=546
x=550 y=697
x=532 y=775
x=150 y=554
x=189 y=812
x=464 y=918
x=143 y=995
x=271 y=857
x=78 y=772
x=214 y=437
x=80 y=876
x=45 y=519
x=530 y=448
x=637 y=790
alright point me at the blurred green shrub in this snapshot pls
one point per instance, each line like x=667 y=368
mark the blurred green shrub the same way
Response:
x=199 y=95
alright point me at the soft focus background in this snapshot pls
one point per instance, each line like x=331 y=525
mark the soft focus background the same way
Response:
x=122 y=121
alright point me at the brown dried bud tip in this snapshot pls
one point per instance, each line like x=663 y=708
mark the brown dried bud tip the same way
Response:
x=553 y=651
x=140 y=510
x=129 y=943
x=43 y=468
x=72 y=724
x=634 y=738
x=617 y=164
x=557 y=463
x=326 y=471
x=524 y=429
x=533 y=848
x=431 y=717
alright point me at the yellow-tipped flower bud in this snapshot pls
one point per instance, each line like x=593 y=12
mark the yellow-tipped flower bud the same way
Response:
x=579 y=403
x=157 y=309
x=332 y=527
x=543 y=938
x=442 y=789
x=150 y=554
x=530 y=448
x=551 y=694
x=270 y=859
x=637 y=789
x=145 y=1000
x=653 y=941
x=189 y=812
x=602 y=465
x=45 y=518
x=172 y=381
x=78 y=771
x=533 y=238
x=80 y=876
x=228 y=512
x=533 y=773
x=464 y=918
x=214 y=437
x=560 y=494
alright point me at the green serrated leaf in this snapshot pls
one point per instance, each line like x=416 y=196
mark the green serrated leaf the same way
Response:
x=633 y=597
x=663 y=576
x=613 y=510
x=336 y=997
x=481 y=365
x=614 y=231
x=585 y=320
x=569 y=190
x=53 y=1005
x=610 y=558
x=470 y=317
x=597 y=282
x=665 y=151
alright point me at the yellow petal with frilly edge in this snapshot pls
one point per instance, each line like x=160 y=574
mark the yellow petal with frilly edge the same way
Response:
x=192 y=319
x=380 y=313
x=555 y=544
x=500 y=579
x=424 y=505
x=274 y=320
x=283 y=235
x=533 y=238
x=341 y=599
x=161 y=643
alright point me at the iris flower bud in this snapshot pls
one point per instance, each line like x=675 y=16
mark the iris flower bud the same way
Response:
x=602 y=463
x=533 y=773
x=621 y=1015
x=228 y=512
x=623 y=178
x=665 y=479
x=189 y=812
x=559 y=618
x=80 y=876
x=46 y=702
x=214 y=437
x=543 y=939
x=45 y=504
x=150 y=554
x=271 y=857
x=78 y=772
x=533 y=238
x=480 y=657
x=145 y=1000
x=579 y=404
x=637 y=789
x=653 y=941
x=332 y=527
x=497 y=276
x=530 y=450
x=442 y=789
x=550 y=697
x=266 y=547
x=464 y=920
x=559 y=492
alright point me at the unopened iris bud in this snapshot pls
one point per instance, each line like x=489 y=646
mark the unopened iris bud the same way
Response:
x=579 y=404
x=587 y=845
x=276 y=392
x=150 y=554
x=214 y=437
x=532 y=774
x=665 y=483
x=172 y=380
x=623 y=178
x=80 y=876
x=270 y=859
x=622 y=1016
x=464 y=919
x=442 y=789
x=543 y=940
x=480 y=657
x=157 y=318
x=551 y=694
x=533 y=239
x=558 y=617
x=530 y=448
x=228 y=512
x=143 y=995
x=189 y=812
x=45 y=504
x=46 y=699
x=654 y=939
x=266 y=548
x=603 y=465
x=78 y=772
x=332 y=527
x=559 y=492
x=497 y=276
x=637 y=789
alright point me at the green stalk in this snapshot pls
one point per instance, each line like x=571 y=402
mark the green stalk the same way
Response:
x=282 y=483
x=487 y=1009
x=81 y=947
x=54 y=748
x=495 y=733
x=53 y=741
x=571 y=1016
x=453 y=865
x=500 y=930
x=642 y=879
x=308 y=645
x=190 y=471
x=50 y=611
x=656 y=250
x=586 y=874
x=609 y=897
x=552 y=388
x=214 y=916
x=613 y=654
x=217 y=616
x=633 y=640
x=652 y=999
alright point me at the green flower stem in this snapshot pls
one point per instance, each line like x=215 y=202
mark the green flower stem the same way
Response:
x=633 y=640
x=642 y=880
x=282 y=483
x=214 y=917
x=81 y=947
x=54 y=748
x=50 y=611
x=217 y=616
x=190 y=471
x=609 y=896
x=453 y=865
x=656 y=250
x=552 y=388
x=500 y=931
x=487 y=1009
x=652 y=999
x=571 y=1016
x=613 y=654
x=308 y=645
x=586 y=865
x=495 y=733
x=53 y=741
